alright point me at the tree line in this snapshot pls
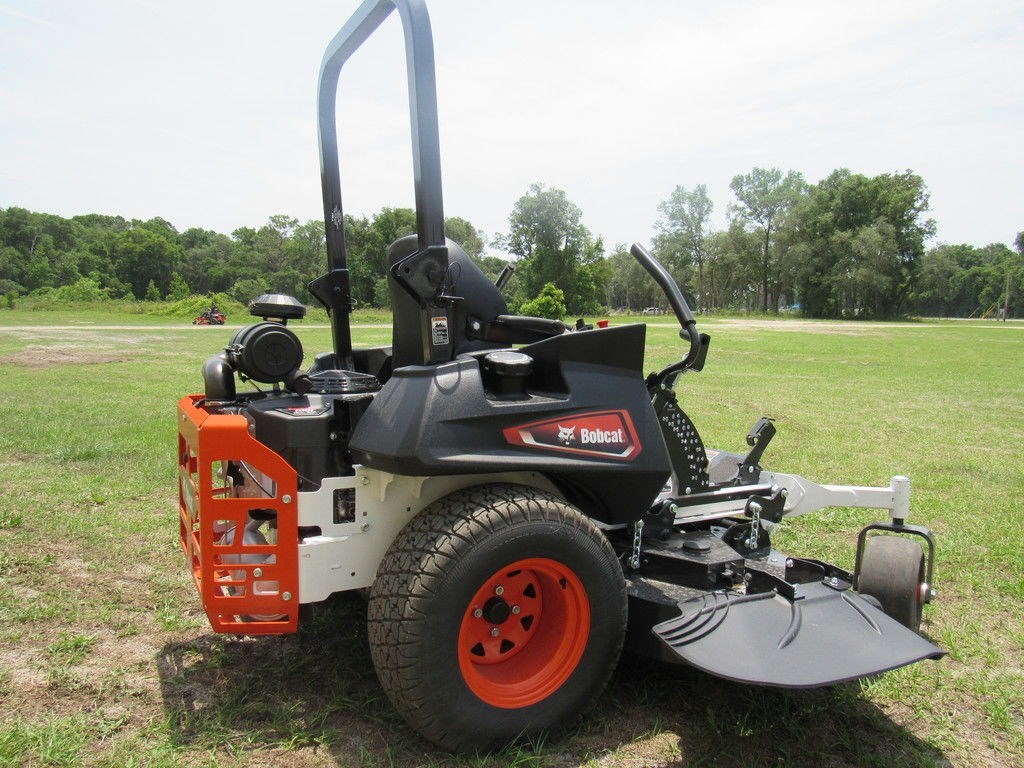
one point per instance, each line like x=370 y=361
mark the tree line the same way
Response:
x=848 y=246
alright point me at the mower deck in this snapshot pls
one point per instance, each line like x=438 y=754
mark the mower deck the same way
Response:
x=826 y=634
x=786 y=623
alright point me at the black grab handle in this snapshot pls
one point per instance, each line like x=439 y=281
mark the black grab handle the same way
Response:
x=682 y=310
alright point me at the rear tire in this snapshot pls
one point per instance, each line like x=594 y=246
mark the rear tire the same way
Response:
x=892 y=571
x=498 y=613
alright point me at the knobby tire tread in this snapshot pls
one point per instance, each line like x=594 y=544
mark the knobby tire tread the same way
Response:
x=419 y=558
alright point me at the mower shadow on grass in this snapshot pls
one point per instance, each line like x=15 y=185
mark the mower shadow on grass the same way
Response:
x=704 y=720
x=316 y=692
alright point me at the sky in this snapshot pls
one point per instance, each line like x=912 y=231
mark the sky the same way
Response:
x=204 y=113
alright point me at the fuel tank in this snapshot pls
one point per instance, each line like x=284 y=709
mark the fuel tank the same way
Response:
x=581 y=414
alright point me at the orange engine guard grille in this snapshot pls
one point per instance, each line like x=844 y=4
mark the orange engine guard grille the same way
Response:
x=231 y=491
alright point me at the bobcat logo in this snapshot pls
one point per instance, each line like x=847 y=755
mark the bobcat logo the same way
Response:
x=598 y=434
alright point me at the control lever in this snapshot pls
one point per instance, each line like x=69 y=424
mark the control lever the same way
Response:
x=758 y=438
x=504 y=276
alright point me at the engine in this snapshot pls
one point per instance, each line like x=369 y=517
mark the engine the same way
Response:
x=307 y=417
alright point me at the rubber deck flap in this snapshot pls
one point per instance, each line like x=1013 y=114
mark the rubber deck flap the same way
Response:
x=826 y=637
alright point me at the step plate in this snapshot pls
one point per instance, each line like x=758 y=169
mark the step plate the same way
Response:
x=826 y=637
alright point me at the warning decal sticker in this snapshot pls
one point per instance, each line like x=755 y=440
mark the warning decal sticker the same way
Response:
x=439 y=331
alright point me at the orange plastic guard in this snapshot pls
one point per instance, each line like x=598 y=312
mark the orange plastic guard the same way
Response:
x=231 y=489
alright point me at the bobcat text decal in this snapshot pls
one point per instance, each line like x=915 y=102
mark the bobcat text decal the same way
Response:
x=602 y=434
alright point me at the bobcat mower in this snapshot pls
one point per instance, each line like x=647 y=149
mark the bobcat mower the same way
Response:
x=516 y=498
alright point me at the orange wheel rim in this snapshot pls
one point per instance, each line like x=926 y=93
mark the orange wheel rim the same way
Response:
x=524 y=632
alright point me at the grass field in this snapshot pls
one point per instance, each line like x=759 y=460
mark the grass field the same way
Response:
x=106 y=658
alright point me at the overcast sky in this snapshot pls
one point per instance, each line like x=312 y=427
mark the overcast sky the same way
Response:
x=204 y=112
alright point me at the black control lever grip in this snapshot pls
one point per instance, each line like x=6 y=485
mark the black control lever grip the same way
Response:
x=679 y=307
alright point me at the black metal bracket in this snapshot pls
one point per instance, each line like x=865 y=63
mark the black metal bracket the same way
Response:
x=422 y=275
x=804 y=570
x=659 y=521
x=738 y=537
x=896 y=527
x=772 y=507
x=757 y=438
x=333 y=290
x=760 y=581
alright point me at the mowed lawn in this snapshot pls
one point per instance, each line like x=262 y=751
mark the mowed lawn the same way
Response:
x=107 y=659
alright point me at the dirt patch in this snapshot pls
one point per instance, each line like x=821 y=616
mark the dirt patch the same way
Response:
x=48 y=347
x=830 y=328
x=38 y=356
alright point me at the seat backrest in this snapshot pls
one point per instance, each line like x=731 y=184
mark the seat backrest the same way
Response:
x=481 y=301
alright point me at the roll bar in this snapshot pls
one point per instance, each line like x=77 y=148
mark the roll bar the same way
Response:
x=333 y=289
x=694 y=358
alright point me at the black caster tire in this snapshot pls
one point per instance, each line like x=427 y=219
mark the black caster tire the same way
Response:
x=892 y=571
x=497 y=614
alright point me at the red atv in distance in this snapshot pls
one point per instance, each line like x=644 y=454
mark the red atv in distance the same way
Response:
x=211 y=316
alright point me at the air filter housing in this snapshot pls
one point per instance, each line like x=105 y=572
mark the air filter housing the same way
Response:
x=265 y=352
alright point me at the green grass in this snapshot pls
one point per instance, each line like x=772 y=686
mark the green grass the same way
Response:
x=107 y=660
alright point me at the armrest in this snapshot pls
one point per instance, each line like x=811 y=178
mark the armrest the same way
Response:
x=516 y=329
x=531 y=324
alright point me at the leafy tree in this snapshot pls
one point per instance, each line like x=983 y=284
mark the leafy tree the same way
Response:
x=860 y=242
x=549 y=303
x=247 y=289
x=629 y=286
x=178 y=289
x=733 y=267
x=308 y=254
x=944 y=281
x=764 y=198
x=382 y=293
x=84 y=289
x=142 y=254
x=547 y=234
x=367 y=244
x=465 y=234
x=682 y=231
x=208 y=261
x=490 y=265
x=152 y=292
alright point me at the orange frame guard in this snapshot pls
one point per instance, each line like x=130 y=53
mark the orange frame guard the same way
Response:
x=250 y=589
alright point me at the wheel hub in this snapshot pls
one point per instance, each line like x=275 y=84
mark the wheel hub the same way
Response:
x=496 y=611
x=523 y=632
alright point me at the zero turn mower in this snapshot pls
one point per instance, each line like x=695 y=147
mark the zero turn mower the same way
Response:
x=518 y=498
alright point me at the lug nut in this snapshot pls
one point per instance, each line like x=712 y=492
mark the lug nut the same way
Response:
x=499 y=590
x=516 y=609
x=477 y=613
x=495 y=631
